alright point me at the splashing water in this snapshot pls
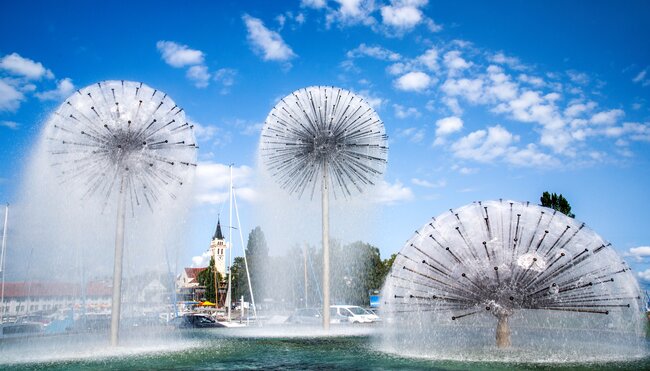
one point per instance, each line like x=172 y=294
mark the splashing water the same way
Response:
x=548 y=281
x=324 y=129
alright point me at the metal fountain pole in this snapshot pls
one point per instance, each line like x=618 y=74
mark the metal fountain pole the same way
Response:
x=326 y=249
x=117 y=265
x=306 y=277
x=3 y=260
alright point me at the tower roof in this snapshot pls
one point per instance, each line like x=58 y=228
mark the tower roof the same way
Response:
x=217 y=234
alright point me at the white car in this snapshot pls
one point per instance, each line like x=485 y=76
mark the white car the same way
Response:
x=353 y=313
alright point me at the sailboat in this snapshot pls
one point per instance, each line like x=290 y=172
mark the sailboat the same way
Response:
x=228 y=301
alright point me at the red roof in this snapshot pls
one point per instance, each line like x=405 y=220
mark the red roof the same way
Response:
x=192 y=273
x=48 y=289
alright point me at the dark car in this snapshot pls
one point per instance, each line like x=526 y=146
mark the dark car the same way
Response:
x=195 y=321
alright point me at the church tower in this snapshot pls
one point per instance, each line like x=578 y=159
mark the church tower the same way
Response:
x=218 y=250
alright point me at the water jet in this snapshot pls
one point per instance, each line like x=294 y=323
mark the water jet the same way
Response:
x=532 y=269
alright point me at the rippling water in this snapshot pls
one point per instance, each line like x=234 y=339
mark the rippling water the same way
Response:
x=244 y=349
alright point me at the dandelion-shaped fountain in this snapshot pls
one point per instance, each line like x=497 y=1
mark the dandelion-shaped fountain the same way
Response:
x=548 y=273
x=124 y=142
x=328 y=136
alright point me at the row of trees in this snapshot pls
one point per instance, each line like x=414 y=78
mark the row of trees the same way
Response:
x=294 y=279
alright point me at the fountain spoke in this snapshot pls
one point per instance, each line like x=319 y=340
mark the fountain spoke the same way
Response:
x=506 y=258
x=113 y=138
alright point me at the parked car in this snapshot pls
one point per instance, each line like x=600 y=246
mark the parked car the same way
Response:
x=195 y=320
x=372 y=312
x=353 y=313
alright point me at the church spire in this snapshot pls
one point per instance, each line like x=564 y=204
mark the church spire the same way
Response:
x=217 y=234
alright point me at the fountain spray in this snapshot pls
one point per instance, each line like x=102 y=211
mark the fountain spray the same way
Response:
x=123 y=142
x=502 y=257
x=325 y=135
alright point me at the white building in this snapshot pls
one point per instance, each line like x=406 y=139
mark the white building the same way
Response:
x=21 y=298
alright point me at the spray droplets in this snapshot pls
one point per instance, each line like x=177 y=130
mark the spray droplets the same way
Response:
x=322 y=128
x=107 y=140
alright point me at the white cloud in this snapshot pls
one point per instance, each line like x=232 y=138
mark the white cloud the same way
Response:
x=353 y=12
x=500 y=87
x=576 y=109
x=253 y=129
x=413 y=81
x=64 y=88
x=467 y=170
x=402 y=14
x=199 y=75
x=226 y=76
x=642 y=78
x=530 y=156
x=9 y=124
x=470 y=89
x=300 y=18
x=639 y=252
x=433 y=26
x=579 y=78
x=414 y=135
x=535 y=81
x=645 y=275
x=213 y=180
x=25 y=67
x=452 y=104
x=607 y=117
x=448 y=125
x=429 y=59
x=10 y=97
x=454 y=61
x=376 y=52
x=266 y=42
x=390 y=194
x=178 y=55
x=427 y=184
x=638 y=131
x=201 y=261
x=316 y=4
x=511 y=62
x=484 y=146
x=374 y=101
x=402 y=112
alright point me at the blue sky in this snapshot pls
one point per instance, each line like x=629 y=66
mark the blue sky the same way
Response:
x=480 y=100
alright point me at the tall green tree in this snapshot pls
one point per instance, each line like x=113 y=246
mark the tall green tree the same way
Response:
x=357 y=268
x=556 y=202
x=257 y=253
x=387 y=264
x=206 y=278
x=239 y=280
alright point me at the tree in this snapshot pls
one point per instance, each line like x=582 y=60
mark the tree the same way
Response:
x=556 y=202
x=387 y=264
x=239 y=280
x=257 y=253
x=206 y=278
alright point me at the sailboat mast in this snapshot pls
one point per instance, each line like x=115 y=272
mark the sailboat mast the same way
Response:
x=229 y=297
x=248 y=274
